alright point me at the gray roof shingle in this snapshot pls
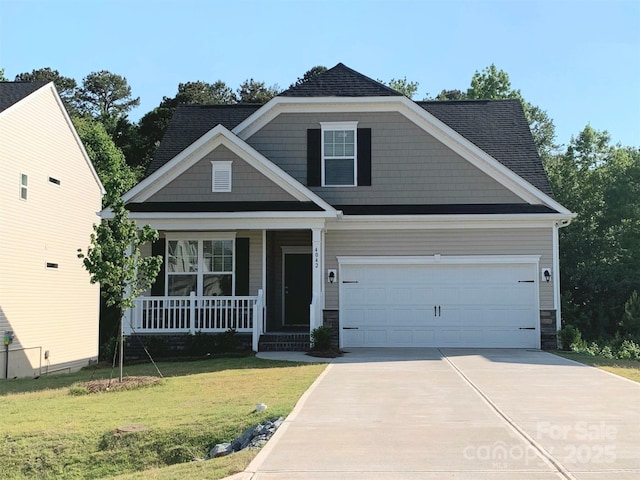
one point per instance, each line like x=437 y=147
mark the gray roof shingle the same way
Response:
x=12 y=92
x=190 y=122
x=340 y=81
x=498 y=127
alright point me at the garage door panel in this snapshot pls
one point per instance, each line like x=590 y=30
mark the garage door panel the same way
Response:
x=475 y=305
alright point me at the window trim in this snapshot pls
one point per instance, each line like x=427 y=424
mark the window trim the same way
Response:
x=200 y=238
x=24 y=187
x=339 y=126
x=221 y=166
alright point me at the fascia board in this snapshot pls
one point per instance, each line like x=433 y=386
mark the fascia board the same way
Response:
x=230 y=224
x=413 y=112
x=428 y=222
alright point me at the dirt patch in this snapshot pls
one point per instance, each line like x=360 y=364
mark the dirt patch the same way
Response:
x=112 y=385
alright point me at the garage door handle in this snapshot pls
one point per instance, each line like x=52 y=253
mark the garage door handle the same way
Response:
x=350 y=281
x=527 y=328
x=526 y=281
x=350 y=328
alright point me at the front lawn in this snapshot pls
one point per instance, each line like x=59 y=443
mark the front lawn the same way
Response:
x=49 y=433
x=625 y=368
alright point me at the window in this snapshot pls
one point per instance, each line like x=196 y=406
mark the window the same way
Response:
x=221 y=176
x=339 y=154
x=204 y=266
x=24 y=180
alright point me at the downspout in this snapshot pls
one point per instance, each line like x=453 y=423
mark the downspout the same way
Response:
x=556 y=272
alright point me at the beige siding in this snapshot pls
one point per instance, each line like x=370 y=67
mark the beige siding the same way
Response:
x=408 y=165
x=194 y=185
x=54 y=310
x=445 y=242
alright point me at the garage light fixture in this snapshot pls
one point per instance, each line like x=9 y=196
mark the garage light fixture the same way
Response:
x=546 y=273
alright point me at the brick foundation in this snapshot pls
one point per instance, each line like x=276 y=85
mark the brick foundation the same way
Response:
x=548 y=330
x=330 y=319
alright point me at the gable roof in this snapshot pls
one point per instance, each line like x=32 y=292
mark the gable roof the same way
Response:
x=340 y=81
x=190 y=122
x=12 y=92
x=495 y=126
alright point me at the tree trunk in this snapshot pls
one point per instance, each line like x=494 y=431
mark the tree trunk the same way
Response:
x=121 y=353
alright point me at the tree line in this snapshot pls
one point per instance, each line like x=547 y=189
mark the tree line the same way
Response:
x=599 y=180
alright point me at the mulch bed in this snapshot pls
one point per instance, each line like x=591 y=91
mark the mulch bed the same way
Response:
x=113 y=385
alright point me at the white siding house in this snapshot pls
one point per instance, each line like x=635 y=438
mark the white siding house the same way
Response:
x=50 y=196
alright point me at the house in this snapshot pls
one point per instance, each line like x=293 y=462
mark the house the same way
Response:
x=50 y=197
x=341 y=202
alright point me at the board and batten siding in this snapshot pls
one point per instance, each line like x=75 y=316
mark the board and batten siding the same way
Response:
x=194 y=185
x=48 y=309
x=408 y=166
x=536 y=241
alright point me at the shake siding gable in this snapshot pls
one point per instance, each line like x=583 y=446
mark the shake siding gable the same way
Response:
x=408 y=166
x=55 y=309
x=525 y=241
x=194 y=185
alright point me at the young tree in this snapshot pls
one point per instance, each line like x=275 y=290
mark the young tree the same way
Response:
x=114 y=260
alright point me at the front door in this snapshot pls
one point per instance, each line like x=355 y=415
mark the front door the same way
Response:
x=297 y=289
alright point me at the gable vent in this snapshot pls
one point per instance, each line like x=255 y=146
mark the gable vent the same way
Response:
x=221 y=176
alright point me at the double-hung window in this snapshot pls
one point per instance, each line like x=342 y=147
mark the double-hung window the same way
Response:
x=201 y=265
x=339 y=154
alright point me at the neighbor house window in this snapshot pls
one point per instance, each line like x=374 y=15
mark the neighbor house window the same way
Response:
x=200 y=265
x=24 y=181
x=339 y=158
x=221 y=176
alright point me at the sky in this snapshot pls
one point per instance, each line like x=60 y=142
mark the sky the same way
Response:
x=579 y=60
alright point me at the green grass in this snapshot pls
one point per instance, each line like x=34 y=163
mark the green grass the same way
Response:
x=625 y=368
x=49 y=433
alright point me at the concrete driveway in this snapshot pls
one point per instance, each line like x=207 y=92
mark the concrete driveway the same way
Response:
x=457 y=414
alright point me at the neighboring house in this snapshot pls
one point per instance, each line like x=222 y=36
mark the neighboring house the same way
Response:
x=342 y=202
x=50 y=197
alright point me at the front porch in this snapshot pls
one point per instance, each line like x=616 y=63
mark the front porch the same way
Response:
x=271 y=289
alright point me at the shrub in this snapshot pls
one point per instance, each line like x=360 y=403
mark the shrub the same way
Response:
x=606 y=352
x=570 y=336
x=228 y=341
x=199 y=344
x=629 y=350
x=156 y=345
x=630 y=322
x=321 y=338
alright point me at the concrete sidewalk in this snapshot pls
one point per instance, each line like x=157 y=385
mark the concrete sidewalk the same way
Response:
x=455 y=414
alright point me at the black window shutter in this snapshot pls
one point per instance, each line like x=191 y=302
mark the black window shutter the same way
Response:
x=242 y=266
x=314 y=162
x=158 y=248
x=364 y=157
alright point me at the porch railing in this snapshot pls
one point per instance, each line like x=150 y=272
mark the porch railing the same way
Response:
x=194 y=314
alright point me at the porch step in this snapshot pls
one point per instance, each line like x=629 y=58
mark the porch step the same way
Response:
x=284 y=342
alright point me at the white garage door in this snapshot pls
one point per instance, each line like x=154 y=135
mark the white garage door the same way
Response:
x=484 y=305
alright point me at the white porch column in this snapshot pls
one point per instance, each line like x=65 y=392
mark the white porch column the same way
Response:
x=317 y=262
